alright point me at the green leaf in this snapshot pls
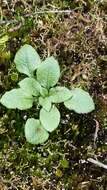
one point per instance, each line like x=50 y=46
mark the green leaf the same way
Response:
x=50 y=120
x=80 y=102
x=30 y=86
x=34 y=132
x=27 y=60
x=45 y=103
x=48 y=73
x=59 y=94
x=44 y=92
x=17 y=99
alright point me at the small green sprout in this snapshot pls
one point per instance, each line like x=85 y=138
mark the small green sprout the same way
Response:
x=40 y=87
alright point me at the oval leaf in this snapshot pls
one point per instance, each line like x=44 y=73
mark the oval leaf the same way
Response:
x=50 y=120
x=34 y=132
x=27 y=60
x=30 y=86
x=80 y=102
x=17 y=99
x=48 y=73
x=59 y=94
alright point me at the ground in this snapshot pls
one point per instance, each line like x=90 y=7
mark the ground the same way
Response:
x=78 y=40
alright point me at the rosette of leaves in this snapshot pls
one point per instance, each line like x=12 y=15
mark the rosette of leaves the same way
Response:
x=40 y=86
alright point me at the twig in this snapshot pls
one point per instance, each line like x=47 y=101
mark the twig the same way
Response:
x=52 y=11
x=2 y=22
x=38 y=12
x=98 y=163
x=96 y=131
